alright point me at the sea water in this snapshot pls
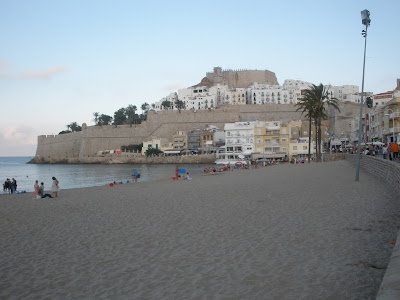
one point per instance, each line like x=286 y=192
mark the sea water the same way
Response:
x=84 y=175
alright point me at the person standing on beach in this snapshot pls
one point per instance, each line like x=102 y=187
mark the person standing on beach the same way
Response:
x=37 y=189
x=14 y=184
x=176 y=172
x=55 y=188
x=41 y=189
x=134 y=175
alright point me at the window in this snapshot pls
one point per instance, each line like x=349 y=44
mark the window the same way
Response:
x=277 y=141
x=284 y=149
x=294 y=147
x=304 y=147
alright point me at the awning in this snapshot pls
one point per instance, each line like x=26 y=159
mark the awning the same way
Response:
x=272 y=155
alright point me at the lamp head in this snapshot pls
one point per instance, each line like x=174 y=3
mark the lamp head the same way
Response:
x=366 y=20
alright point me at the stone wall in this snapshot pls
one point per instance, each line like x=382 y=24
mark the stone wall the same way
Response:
x=241 y=78
x=381 y=168
x=164 y=124
x=59 y=146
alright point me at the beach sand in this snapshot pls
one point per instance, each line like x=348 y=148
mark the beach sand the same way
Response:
x=283 y=232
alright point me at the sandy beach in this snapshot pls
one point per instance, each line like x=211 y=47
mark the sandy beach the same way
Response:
x=283 y=232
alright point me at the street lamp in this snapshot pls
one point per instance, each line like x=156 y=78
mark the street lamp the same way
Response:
x=388 y=115
x=365 y=21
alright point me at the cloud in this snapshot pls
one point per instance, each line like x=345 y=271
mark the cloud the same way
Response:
x=7 y=72
x=173 y=86
x=5 y=66
x=19 y=135
x=43 y=74
x=18 y=141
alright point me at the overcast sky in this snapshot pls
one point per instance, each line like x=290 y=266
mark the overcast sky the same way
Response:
x=60 y=61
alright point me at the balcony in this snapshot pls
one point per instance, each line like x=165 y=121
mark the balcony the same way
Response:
x=394 y=115
x=394 y=130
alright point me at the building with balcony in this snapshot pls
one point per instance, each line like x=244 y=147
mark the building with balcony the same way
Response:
x=239 y=137
x=194 y=140
x=299 y=149
x=391 y=119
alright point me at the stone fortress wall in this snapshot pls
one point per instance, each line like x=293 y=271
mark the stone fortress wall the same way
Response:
x=164 y=124
x=241 y=78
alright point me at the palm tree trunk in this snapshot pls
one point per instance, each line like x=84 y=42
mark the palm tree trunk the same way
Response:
x=317 y=150
x=319 y=138
x=309 y=140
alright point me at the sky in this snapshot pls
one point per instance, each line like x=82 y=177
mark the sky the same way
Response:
x=61 y=61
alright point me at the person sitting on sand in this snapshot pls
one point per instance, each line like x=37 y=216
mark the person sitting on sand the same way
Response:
x=187 y=177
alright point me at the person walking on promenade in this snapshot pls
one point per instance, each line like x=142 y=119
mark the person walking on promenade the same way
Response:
x=37 y=189
x=385 y=151
x=390 y=151
x=395 y=149
x=55 y=188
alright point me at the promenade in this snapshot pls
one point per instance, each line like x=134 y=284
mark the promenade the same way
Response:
x=305 y=231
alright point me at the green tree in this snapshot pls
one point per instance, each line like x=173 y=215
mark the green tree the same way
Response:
x=96 y=118
x=145 y=107
x=314 y=103
x=179 y=104
x=323 y=101
x=74 y=127
x=120 y=116
x=306 y=105
x=153 y=151
x=105 y=119
x=130 y=113
x=135 y=147
x=166 y=104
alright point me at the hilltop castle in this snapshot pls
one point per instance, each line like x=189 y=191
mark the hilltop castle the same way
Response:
x=238 y=78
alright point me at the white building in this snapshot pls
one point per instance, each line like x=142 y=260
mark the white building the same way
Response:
x=381 y=99
x=172 y=97
x=239 y=137
x=236 y=97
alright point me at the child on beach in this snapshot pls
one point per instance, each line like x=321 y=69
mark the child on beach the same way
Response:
x=41 y=189
x=134 y=176
x=37 y=189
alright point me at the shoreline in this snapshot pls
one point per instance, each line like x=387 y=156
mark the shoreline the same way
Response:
x=121 y=159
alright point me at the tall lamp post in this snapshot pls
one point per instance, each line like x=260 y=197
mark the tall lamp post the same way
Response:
x=365 y=21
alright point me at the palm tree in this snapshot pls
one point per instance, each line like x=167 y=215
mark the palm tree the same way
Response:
x=130 y=113
x=306 y=104
x=324 y=100
x=314 y=102
x=145 y=107
x=96 y=118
